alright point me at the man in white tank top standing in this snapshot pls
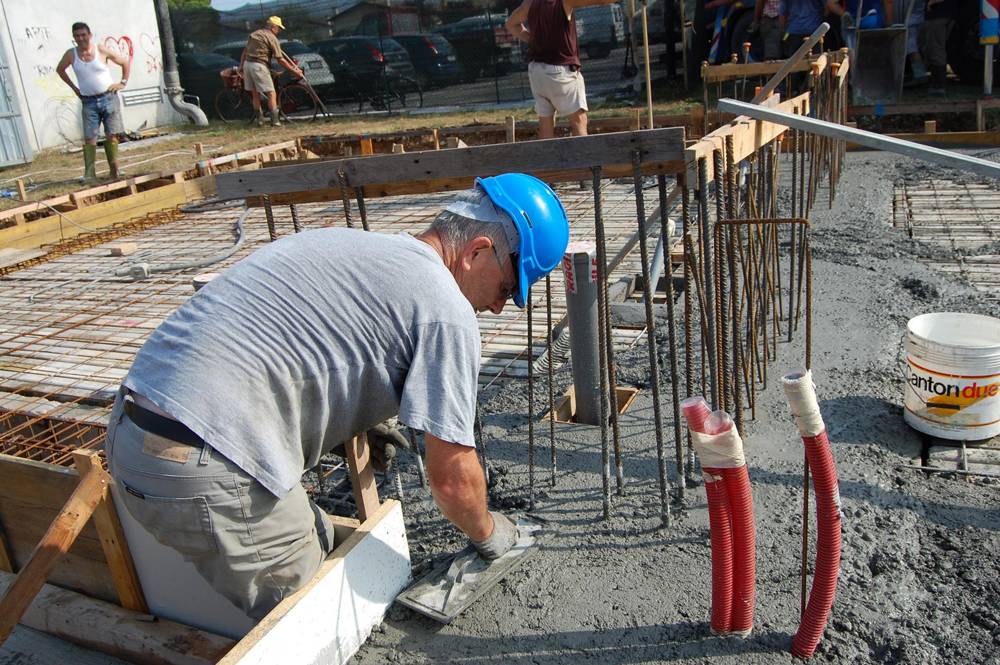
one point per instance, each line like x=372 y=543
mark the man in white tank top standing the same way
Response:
x=98 y=92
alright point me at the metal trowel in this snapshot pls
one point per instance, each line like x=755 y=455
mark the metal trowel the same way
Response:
x=453 y=585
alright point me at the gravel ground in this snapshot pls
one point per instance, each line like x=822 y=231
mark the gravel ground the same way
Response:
x=919 y=576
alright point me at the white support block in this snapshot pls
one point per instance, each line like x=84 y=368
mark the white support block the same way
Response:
x=328 y=620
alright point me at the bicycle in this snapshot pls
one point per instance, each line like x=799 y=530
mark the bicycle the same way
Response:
x=390 y=90
x=233 y=103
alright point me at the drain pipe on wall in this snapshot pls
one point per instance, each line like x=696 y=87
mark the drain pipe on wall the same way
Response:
x=801 y=396
x=579 y=268
x=171 y=79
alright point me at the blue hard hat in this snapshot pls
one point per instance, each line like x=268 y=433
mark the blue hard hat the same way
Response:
x=541 y=223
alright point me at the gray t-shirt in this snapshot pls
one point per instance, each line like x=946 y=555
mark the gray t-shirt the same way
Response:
x=311 y=340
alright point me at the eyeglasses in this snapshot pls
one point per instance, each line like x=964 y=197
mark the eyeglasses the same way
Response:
x=508 y=290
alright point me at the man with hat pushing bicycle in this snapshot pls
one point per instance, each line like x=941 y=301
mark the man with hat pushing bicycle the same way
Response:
x=262 y=45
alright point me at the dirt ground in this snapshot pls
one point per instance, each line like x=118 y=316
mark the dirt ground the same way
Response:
x=919 y=574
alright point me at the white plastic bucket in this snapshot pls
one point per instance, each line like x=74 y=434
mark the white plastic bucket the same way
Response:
x=953 y=375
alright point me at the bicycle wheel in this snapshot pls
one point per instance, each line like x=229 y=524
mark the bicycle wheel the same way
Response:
x=296 y=103
x=408 y=91
x=232 y=105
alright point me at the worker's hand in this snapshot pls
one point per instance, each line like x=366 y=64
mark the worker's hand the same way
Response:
x=503 y=538
x=115 y=87
x=383 y=440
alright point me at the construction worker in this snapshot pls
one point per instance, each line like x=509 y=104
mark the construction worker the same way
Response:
x=307 y=342
x=255 y=63
x=549 y=29
x=98 y=93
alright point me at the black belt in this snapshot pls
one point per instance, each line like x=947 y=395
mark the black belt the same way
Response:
x=156 y=424
x=96 y=96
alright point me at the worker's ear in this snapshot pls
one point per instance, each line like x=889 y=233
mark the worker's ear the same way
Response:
x=473 y=248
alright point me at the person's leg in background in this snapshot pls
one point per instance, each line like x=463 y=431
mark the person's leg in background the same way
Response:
x=771 y=33
x=936 y=33
x=91 y=124
x=114 y=127
x=539 y=82
x=272 y=108
x=914 y=24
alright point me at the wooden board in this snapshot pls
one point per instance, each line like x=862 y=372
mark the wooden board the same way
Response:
x=31 y=495
x=657 y=145
x=110 y=629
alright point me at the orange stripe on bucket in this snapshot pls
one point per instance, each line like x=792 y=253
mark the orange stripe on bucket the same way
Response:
x=939 y=422
x=953 y=376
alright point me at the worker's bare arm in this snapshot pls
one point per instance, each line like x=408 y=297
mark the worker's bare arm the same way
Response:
x=458 y=486
x=61 y=68
x=515 y=23
x=119 y=60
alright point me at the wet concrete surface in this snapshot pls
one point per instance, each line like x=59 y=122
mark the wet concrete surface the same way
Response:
x=919 y=573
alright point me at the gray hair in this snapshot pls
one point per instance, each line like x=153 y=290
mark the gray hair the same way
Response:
x=457 y=230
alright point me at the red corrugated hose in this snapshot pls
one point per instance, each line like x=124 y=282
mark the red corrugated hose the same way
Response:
x=802 y=400
x=730 y=517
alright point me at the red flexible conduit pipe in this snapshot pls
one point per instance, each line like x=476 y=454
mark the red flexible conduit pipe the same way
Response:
x=730 y=515
x=801 y=397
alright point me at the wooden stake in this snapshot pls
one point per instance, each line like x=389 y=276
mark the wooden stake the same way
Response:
x=930 y=126
x=21 y=193
x=366 y=146
x=398 y=148
x=359 y=464
x=437 y=139
x=113 y=542
x=510 y=129
x=199 y=149
x=54 y=544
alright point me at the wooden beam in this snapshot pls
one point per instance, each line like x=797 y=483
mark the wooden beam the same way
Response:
x=56 y=542
x=359 y=464
x=366 y=146
x=580 y=152
x=5 y=563
x=113 y=538
x=730 y=71
x=107 y=628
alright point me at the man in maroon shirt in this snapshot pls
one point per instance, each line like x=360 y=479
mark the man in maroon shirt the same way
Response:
x=548 y=27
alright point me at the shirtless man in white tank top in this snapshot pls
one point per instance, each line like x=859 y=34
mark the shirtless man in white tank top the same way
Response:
x=98 y=93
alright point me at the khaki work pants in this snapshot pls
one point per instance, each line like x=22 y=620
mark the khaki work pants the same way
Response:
x=251 y=546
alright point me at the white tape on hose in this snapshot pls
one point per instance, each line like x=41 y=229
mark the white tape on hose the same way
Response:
x=719 y=451
x=801 y=395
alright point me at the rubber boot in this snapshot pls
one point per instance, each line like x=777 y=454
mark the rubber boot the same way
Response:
x=111 y=152
x=275 y=118
x=89 y=162
x=260 y=117
x=938 y=75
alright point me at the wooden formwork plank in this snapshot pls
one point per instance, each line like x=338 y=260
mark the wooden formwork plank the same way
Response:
x=748 y=136
x=359 y=464
x=5 y=563
x=563 y=154
x=57 y=540
x=119 y=632
x=731 y=71
x=113 y=542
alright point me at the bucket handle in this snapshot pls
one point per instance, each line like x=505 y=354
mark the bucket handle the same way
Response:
x=901 y=366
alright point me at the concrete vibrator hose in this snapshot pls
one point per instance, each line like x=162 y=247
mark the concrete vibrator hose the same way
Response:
x=730 y=515
x=801 y=395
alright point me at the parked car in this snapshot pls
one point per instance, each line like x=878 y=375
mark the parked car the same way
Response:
x=433 y=58
x=600 y=29
x=312 y=64
x=200 y=75
x=483 y=45
x=359 y=61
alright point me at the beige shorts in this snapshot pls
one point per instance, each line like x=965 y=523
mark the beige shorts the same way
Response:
x=257 y=76
x=556 y=89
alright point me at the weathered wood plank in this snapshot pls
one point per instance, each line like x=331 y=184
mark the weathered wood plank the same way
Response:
x=658 y=145
x=359 y=464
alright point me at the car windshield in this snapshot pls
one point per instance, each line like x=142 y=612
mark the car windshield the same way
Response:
x=212 y=60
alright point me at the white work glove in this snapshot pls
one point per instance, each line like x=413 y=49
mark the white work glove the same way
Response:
x=503 y=538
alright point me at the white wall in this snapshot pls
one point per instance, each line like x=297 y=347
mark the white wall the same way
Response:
x=38 y=34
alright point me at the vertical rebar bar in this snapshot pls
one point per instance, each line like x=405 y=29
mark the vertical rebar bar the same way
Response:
x=654 y=360
x=602 y=268
x=344 y=198
x=551 y=381
x=721 y=282
x=294 y=210
x=269 y=216
x=688 y=323
x=531 y=406
x=359 y=196
x=668 y=242
x=706 y=252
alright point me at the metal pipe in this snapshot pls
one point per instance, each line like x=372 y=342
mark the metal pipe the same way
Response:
x=582 y=308
x=171 y=79
x=861 y=137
